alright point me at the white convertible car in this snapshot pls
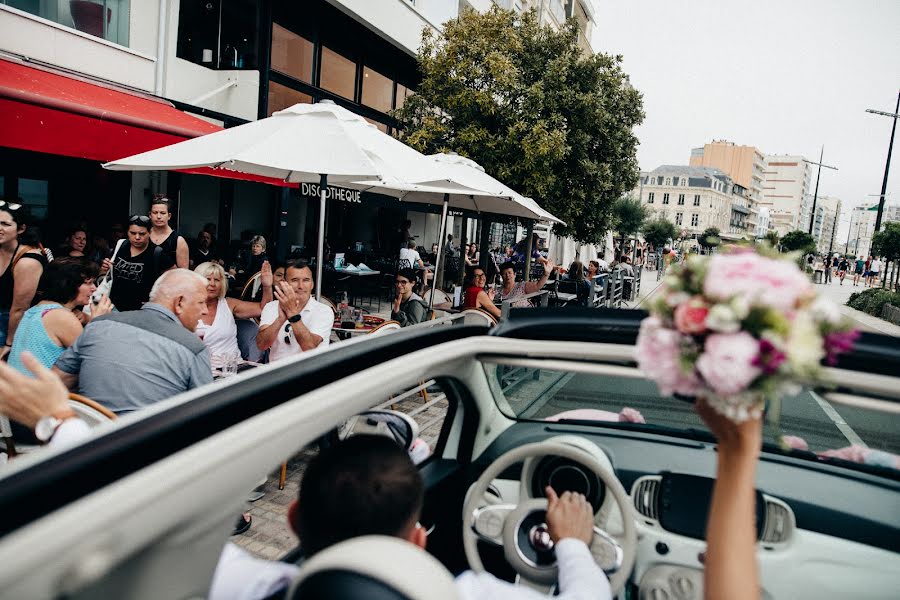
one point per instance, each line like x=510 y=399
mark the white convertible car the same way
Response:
x=143 y=508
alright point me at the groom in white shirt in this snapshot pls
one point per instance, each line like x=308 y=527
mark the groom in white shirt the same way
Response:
x=367 y=485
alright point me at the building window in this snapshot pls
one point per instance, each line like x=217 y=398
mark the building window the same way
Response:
x=696 y=199
x=680 y=199
x=665 y=198
x=403 y=93
x=668 y=181
x=35 y=194
x=695 y=220
x=218 y=34
x=679 y=217
x=651 y=181
x=650 y=198
x=338 y=74
x=377 y=90
x=281 y=96
x=85 y=16
x=292 y=54
x=684 y=182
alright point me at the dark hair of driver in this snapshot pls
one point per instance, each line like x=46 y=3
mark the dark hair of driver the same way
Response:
x=364 y=485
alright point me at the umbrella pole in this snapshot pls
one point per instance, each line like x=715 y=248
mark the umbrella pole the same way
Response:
x=440 y=252
x=320 y=251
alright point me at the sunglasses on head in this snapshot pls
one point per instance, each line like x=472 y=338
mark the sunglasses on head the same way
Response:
x=287 y=333
x=139 y=220
x=9 y=205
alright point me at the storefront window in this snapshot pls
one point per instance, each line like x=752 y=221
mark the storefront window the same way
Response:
x=338 y=74
x=377 y=90
x=291 y=54
x=218 y=34
x=281 y=96
x=35 y=195
x=403 y=93
x=84 y=15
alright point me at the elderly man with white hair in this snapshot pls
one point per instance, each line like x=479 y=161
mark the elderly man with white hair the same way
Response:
x=129 y=360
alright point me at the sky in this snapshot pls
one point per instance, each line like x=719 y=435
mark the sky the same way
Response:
x=786 y=76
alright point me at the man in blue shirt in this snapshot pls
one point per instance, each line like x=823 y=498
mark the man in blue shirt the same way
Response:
x=129 y=360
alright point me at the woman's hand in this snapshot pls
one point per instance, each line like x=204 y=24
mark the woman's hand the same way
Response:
x=397 y=302
x=104 y=307
x=105 y=266
x=265 y=274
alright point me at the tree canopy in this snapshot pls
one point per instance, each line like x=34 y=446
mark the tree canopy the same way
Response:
x=658 y=232
x=710 y=237
x=798 y=240
x=886 y=242
x=525 y=103
x=629 y=215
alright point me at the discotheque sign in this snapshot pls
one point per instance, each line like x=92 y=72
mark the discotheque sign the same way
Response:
x=332 y=193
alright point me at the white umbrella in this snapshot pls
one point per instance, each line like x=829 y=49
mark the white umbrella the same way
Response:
x=304 y=143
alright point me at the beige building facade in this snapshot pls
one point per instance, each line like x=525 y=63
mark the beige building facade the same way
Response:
x=696 y=198
x=828 y=211
x=786 y=181
x=743 y=164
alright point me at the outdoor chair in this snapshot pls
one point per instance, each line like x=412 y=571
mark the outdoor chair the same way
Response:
x=478 y=316
x=251 y=287
x=385 y=327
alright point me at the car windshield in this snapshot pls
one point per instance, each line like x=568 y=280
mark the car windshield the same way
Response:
x=813 y=426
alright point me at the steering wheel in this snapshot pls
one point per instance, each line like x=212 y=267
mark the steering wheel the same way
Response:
x=521 y=530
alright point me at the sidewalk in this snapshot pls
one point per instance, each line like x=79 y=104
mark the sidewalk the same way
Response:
x=839 y=294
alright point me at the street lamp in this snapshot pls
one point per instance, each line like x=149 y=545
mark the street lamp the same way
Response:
x=887 y=164
x=812 y=213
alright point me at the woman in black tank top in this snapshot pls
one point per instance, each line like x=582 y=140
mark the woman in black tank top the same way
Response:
x=18 y=282
x=175 y=250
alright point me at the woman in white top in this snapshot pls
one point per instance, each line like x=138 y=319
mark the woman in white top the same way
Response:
x=217 y=328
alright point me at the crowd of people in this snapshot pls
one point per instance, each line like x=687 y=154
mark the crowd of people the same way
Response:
x=866 y=270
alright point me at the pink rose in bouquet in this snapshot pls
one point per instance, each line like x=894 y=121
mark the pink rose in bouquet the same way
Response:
x=690 y=316
x=658 y=353
x=727 y=362
x=757 y=279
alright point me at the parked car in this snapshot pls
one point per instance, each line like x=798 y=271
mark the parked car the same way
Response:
x=142 y=508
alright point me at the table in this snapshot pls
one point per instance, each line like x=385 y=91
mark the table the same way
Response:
x=243 y=365
x=355 y=273
x=370 y=322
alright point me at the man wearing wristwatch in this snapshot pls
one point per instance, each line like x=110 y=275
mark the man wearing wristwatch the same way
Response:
x=294 y=322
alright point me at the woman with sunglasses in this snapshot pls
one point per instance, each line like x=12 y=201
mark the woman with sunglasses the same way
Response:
x=408 y=308
x=135 y=266
x=475 y=296
x=22 y=262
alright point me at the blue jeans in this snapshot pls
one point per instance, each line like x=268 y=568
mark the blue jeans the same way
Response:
x=4 y=326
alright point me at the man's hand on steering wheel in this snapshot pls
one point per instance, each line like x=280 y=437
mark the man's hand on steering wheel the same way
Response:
x=569 y=516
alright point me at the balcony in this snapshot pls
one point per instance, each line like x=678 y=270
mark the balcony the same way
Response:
x=86 y=16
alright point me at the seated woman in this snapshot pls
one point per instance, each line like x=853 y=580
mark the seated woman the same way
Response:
x=217 y=328
x=582 y=287
x=49 y=327
x=475 y=296
x=408 y=308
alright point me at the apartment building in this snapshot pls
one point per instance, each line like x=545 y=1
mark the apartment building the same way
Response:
x=828 y=212
x=786 y=184
x=744 y=165
x=695 y=198
x=78 y=89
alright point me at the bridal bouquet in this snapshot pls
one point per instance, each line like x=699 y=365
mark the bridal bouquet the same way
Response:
x=738 y=328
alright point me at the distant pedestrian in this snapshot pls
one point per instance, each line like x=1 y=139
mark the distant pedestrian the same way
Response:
x=859 y=269
x=843 y=265
x=874 y=271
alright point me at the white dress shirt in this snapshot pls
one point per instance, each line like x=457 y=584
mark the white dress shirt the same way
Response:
x=317 y=317
x=240 y=576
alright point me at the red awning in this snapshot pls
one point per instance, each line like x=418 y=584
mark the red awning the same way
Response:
x=46 y=111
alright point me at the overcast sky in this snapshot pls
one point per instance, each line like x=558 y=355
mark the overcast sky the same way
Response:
x=785 y=76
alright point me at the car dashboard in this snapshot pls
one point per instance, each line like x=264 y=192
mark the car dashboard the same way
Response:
x=844 y=544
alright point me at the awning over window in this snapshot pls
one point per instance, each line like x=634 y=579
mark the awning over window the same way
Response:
x=47 y=111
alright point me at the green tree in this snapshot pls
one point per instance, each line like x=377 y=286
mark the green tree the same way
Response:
x=658 y=232
x=523 y=101
x=709 y=238
x=886 y=243
x=798 y=241
x=629 y=216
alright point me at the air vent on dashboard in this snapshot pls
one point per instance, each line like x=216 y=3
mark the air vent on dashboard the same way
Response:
x=779 y=523
x=645 y=496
